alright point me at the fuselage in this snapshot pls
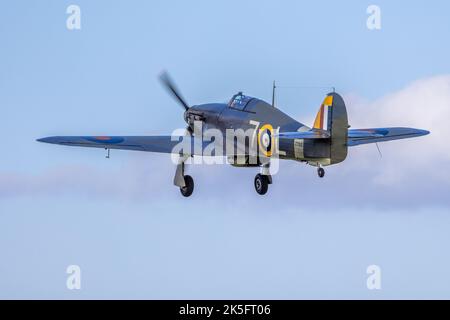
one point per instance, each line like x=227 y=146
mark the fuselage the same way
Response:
x=247 y=113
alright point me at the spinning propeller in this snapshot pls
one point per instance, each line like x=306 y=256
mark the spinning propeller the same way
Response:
x=174 y=92
x=170 y=86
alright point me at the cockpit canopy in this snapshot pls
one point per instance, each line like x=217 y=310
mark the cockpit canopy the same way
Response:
x=239 y=101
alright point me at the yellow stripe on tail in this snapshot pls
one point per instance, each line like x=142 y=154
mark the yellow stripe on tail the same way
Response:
x=321 y=121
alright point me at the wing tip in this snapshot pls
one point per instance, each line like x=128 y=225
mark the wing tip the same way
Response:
x=44 y=140
x=424 y=132
x=51 y=140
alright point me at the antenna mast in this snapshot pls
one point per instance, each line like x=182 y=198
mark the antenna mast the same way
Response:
x=273 y=94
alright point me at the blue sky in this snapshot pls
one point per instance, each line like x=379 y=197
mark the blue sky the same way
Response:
x=128 y=228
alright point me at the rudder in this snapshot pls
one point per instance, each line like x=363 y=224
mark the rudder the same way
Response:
x=332 y=117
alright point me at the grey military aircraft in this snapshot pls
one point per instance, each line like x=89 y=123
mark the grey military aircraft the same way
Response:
x=265 y=134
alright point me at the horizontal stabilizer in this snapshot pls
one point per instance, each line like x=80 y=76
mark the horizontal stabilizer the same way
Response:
x=311 y=134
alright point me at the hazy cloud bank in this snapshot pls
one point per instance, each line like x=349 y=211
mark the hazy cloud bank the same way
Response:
x=411 y=172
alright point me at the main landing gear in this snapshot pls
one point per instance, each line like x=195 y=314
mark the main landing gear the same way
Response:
x=261 y=184
x=184 y=182
x=263 y=179
x=188 y=188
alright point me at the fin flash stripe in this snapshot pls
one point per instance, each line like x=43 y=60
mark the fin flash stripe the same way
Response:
x=320 y=122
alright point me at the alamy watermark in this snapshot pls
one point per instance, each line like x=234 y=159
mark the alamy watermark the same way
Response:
x=258 y=145
x=374 y=279
x=73 y=21
x=73 y=281
x=374 y=20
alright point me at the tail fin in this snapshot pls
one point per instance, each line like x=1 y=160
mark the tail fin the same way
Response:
x=332 y=117
x=323 y=117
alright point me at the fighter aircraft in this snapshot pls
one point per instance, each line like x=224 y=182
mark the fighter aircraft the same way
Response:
x=268 y=134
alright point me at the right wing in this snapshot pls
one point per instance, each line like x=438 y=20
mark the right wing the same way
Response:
x=363 y=136
x=163 y=144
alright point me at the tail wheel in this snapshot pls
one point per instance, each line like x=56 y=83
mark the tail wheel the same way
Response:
x=188 y=189
x=321 y=172
x=261 y=184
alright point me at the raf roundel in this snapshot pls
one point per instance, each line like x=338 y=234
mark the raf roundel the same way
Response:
x=105 y=140
x=265 y=140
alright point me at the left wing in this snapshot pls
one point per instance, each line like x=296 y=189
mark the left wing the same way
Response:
x=161 y=144
x=363 y=136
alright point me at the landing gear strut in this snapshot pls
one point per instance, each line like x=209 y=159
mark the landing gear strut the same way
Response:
x=184 y=182
x=263 y=179
x=321 y=172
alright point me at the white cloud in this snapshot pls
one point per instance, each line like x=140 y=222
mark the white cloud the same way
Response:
x=136 y=179
x=424 y=104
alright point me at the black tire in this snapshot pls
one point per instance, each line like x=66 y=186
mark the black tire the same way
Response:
x=321 y=172
x=187 y=190
x=261 y=184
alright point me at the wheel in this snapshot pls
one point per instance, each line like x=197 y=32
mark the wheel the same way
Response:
x=261 y=184
x=187 y=190
x=321 y=172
